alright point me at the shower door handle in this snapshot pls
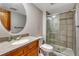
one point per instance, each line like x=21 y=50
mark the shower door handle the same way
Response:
x=77 y=26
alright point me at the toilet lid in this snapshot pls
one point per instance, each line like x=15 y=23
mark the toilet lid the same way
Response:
x=46 y=46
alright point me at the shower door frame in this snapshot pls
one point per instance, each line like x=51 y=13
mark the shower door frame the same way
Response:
x=72 y=41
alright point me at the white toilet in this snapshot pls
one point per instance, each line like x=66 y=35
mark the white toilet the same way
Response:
x=45 y=48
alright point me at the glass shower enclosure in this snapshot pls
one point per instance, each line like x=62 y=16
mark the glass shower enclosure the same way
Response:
x=60 y=33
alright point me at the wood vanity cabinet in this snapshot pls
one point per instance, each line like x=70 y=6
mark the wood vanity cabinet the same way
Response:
x=30 y=49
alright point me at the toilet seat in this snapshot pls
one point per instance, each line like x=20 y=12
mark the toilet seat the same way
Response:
x=46 y=48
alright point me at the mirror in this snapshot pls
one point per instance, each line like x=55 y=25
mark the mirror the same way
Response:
x=13 y=17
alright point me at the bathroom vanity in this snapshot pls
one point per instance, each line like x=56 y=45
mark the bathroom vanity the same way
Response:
x=30 y=48
x=13 y=21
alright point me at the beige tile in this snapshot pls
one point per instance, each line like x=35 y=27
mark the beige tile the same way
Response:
x=69 y=44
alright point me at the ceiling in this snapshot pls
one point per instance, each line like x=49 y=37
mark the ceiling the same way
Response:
x=51 y=8
x=55 y=7
x=14 y=7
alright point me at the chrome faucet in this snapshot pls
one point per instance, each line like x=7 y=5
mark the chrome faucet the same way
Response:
x=19 y=37
x=10 y=38
x=14 y=38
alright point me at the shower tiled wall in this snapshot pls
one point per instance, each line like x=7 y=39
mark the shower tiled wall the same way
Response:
x=66 y=29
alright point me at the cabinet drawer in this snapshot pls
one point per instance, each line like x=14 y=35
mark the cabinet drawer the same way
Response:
x=17 y=52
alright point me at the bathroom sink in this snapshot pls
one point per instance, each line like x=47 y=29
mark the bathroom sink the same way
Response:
x=22 y=41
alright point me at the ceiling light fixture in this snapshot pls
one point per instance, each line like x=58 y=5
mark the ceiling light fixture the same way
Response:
x=54 y=16
x=51 y=3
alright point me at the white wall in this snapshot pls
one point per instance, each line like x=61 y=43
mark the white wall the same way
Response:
x=44 y=25
x=17 y=20
x=34 y=20
x=33 y=23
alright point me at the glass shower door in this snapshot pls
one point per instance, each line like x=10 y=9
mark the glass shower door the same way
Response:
x=61 y=32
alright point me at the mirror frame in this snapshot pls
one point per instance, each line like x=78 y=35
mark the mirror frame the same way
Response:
x=21 y=30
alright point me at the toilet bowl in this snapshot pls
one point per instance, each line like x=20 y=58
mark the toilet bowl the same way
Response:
x=46 y=48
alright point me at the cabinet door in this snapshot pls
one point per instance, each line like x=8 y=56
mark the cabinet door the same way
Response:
x=31 y=49
x=33 y=52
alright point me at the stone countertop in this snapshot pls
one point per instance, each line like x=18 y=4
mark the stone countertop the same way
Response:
x=7 y=46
